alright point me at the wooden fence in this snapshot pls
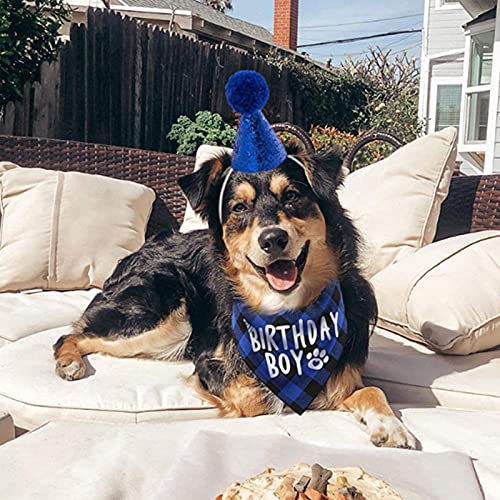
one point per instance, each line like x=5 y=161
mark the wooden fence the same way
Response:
x=119 y=81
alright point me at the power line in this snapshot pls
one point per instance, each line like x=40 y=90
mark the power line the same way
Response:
x=360 y=22
x=358 y=38
x=402 y=39
x=315 y=39
x=365 y=52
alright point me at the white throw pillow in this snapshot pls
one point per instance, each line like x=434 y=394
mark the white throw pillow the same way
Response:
x=446 y=295
x=66 y=230
x=395 y=203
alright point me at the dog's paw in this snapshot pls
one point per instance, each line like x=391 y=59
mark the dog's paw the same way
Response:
x=389 y=432
x=69 y=368
x=211 y=374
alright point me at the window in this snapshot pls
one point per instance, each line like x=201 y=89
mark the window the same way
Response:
x=477 y=93
x=481 y=58
x=477 y=116
x=448 y=100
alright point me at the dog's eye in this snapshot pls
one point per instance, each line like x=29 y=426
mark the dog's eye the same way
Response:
x=240 y=208
x=291 y=196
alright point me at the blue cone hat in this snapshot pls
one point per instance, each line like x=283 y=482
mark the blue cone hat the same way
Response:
x=257 y=147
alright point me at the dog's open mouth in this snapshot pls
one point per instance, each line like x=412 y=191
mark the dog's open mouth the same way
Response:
x=285 y=274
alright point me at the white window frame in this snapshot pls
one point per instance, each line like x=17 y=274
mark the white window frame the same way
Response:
x=454 y=6
x=436 y=82
x=490 y=162
x=463 y=146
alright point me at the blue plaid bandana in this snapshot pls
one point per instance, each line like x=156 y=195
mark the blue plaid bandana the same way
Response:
x=294 y=352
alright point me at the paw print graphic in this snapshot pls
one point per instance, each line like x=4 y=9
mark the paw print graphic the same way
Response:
x=317 y=359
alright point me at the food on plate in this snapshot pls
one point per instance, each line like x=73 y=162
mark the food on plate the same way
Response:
x=305 y=482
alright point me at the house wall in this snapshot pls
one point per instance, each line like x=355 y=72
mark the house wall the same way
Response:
x=443 y=33
x=445 y=30
x=444 y=69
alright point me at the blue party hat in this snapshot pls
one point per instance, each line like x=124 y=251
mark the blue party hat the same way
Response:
x=257 y=147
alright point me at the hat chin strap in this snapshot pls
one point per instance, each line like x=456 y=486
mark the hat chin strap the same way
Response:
x=227 y=175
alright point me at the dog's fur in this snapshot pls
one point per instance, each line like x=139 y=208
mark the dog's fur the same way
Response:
x=173 y=298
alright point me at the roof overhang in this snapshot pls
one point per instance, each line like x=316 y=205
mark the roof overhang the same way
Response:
x=182 y=17
x=489 y=15
x=477 y=7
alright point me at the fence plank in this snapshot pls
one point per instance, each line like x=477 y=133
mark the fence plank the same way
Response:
x=120 y=81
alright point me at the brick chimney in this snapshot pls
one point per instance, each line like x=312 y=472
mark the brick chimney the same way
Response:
x=286 y=20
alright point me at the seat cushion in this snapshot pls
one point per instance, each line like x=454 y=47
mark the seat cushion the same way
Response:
x=114 y=390
x=410 y=373
x=23 y=314
x=135 y=390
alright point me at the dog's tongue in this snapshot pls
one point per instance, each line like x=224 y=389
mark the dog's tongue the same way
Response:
x=282 y=275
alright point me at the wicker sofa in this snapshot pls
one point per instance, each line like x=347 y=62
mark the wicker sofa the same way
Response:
x=415 y=379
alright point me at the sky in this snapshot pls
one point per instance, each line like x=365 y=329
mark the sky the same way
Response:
x=319 y=21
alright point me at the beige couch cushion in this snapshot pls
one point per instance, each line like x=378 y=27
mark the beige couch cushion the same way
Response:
x=396 y=202
x=133 y=390
x=410 y=373
x=114 y=390
x=63 y=231
x=446 y=295
x=23 y=314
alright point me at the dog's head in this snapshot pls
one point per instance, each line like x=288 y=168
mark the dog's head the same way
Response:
x=275 y=226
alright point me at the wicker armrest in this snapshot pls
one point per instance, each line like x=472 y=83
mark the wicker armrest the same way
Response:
x=472 y=205
x=158 y=171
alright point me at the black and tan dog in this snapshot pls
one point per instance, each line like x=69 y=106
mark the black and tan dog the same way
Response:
x=281 y=238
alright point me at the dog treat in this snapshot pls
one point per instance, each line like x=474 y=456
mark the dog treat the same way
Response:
x=303 y=482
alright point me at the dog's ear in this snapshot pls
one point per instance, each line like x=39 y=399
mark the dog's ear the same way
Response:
x=201 y=187
x=324 y=173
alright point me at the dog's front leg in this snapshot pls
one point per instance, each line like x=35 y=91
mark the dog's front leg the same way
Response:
x=370 y=406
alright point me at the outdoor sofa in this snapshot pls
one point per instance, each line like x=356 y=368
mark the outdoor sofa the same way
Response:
x=75 y=449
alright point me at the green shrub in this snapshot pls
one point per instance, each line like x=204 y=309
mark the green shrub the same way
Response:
x=207 y=128
x=329 y=97
x=28 y=37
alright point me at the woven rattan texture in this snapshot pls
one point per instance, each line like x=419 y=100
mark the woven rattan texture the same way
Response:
x=473 y=204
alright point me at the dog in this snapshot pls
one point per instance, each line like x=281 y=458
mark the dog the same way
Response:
x=275 y=240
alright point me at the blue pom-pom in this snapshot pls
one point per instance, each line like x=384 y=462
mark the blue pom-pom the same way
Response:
x=247 y=92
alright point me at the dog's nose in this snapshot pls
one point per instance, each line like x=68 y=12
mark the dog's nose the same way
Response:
x=273 y=240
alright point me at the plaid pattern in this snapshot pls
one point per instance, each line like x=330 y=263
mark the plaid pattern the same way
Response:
x=295 y=352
